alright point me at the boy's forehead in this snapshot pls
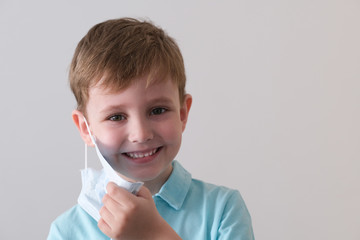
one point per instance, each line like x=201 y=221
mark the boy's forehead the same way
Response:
x=106 y=86
x=156 y=85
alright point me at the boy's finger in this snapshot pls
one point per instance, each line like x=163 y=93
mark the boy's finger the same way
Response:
x=106 y=214
x=119 y=194
x=104 y=227
x=113 y=206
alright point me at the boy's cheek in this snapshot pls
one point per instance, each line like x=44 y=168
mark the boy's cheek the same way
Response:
x=109 y=146
x=170 y=128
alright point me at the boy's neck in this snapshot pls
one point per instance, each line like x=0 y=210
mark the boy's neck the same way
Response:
x=155 y=185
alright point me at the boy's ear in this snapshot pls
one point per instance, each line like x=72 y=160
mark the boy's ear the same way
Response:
x=184 y=111
x=79 y=121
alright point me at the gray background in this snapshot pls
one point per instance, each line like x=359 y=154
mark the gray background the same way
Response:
x=275 y=115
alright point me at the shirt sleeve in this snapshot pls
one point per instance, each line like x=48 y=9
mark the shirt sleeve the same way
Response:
x=75 y=224
x=236 y=221
x=54 y=233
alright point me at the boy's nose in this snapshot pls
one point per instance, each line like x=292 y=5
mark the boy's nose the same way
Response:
x=140 y=132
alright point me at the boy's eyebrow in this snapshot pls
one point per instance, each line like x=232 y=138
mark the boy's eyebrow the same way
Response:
x=160 y=100
x=164 y=100
x=111 y=108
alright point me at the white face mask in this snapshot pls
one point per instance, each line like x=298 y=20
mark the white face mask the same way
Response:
x=94 y=183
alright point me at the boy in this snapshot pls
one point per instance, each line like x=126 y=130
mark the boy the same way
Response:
x=128 y=78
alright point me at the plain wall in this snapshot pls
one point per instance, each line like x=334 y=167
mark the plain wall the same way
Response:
x=276 y=88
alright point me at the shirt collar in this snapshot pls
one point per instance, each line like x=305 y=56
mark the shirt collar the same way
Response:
x=175 y=189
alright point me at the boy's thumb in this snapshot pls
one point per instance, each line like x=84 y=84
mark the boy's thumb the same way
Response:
x=144 y=192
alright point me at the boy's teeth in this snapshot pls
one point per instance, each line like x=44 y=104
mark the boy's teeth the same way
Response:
x=141 y=155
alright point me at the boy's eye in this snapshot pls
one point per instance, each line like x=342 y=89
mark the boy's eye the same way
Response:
x=158 y=111
x=117 y=118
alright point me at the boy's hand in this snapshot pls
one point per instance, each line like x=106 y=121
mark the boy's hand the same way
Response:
x=126 y=216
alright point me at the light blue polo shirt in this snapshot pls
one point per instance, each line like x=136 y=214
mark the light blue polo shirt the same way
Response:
x=194 y=209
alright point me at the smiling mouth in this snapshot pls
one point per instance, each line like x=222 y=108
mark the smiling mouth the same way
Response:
x=136 y=155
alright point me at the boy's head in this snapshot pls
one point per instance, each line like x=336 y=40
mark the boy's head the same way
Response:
x=114 y=53
x=128 y=78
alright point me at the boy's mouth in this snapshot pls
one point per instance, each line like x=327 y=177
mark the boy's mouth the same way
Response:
x=136 y=155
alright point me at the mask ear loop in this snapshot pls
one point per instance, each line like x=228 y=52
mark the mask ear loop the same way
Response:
x=86 y=160
x=92 y=139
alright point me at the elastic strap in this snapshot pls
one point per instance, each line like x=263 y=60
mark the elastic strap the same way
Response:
x=92 y=139
x=86 y=156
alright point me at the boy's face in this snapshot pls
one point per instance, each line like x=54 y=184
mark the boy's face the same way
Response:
x=139 y=129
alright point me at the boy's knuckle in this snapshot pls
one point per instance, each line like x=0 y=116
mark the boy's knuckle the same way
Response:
x=111 y=189
x=117 y=234
x=126 y=219
x=132 y=207
x=103 y=226
x=102 y=211
x=105 y=199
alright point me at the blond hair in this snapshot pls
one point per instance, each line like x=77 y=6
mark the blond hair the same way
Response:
x=121 y=50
